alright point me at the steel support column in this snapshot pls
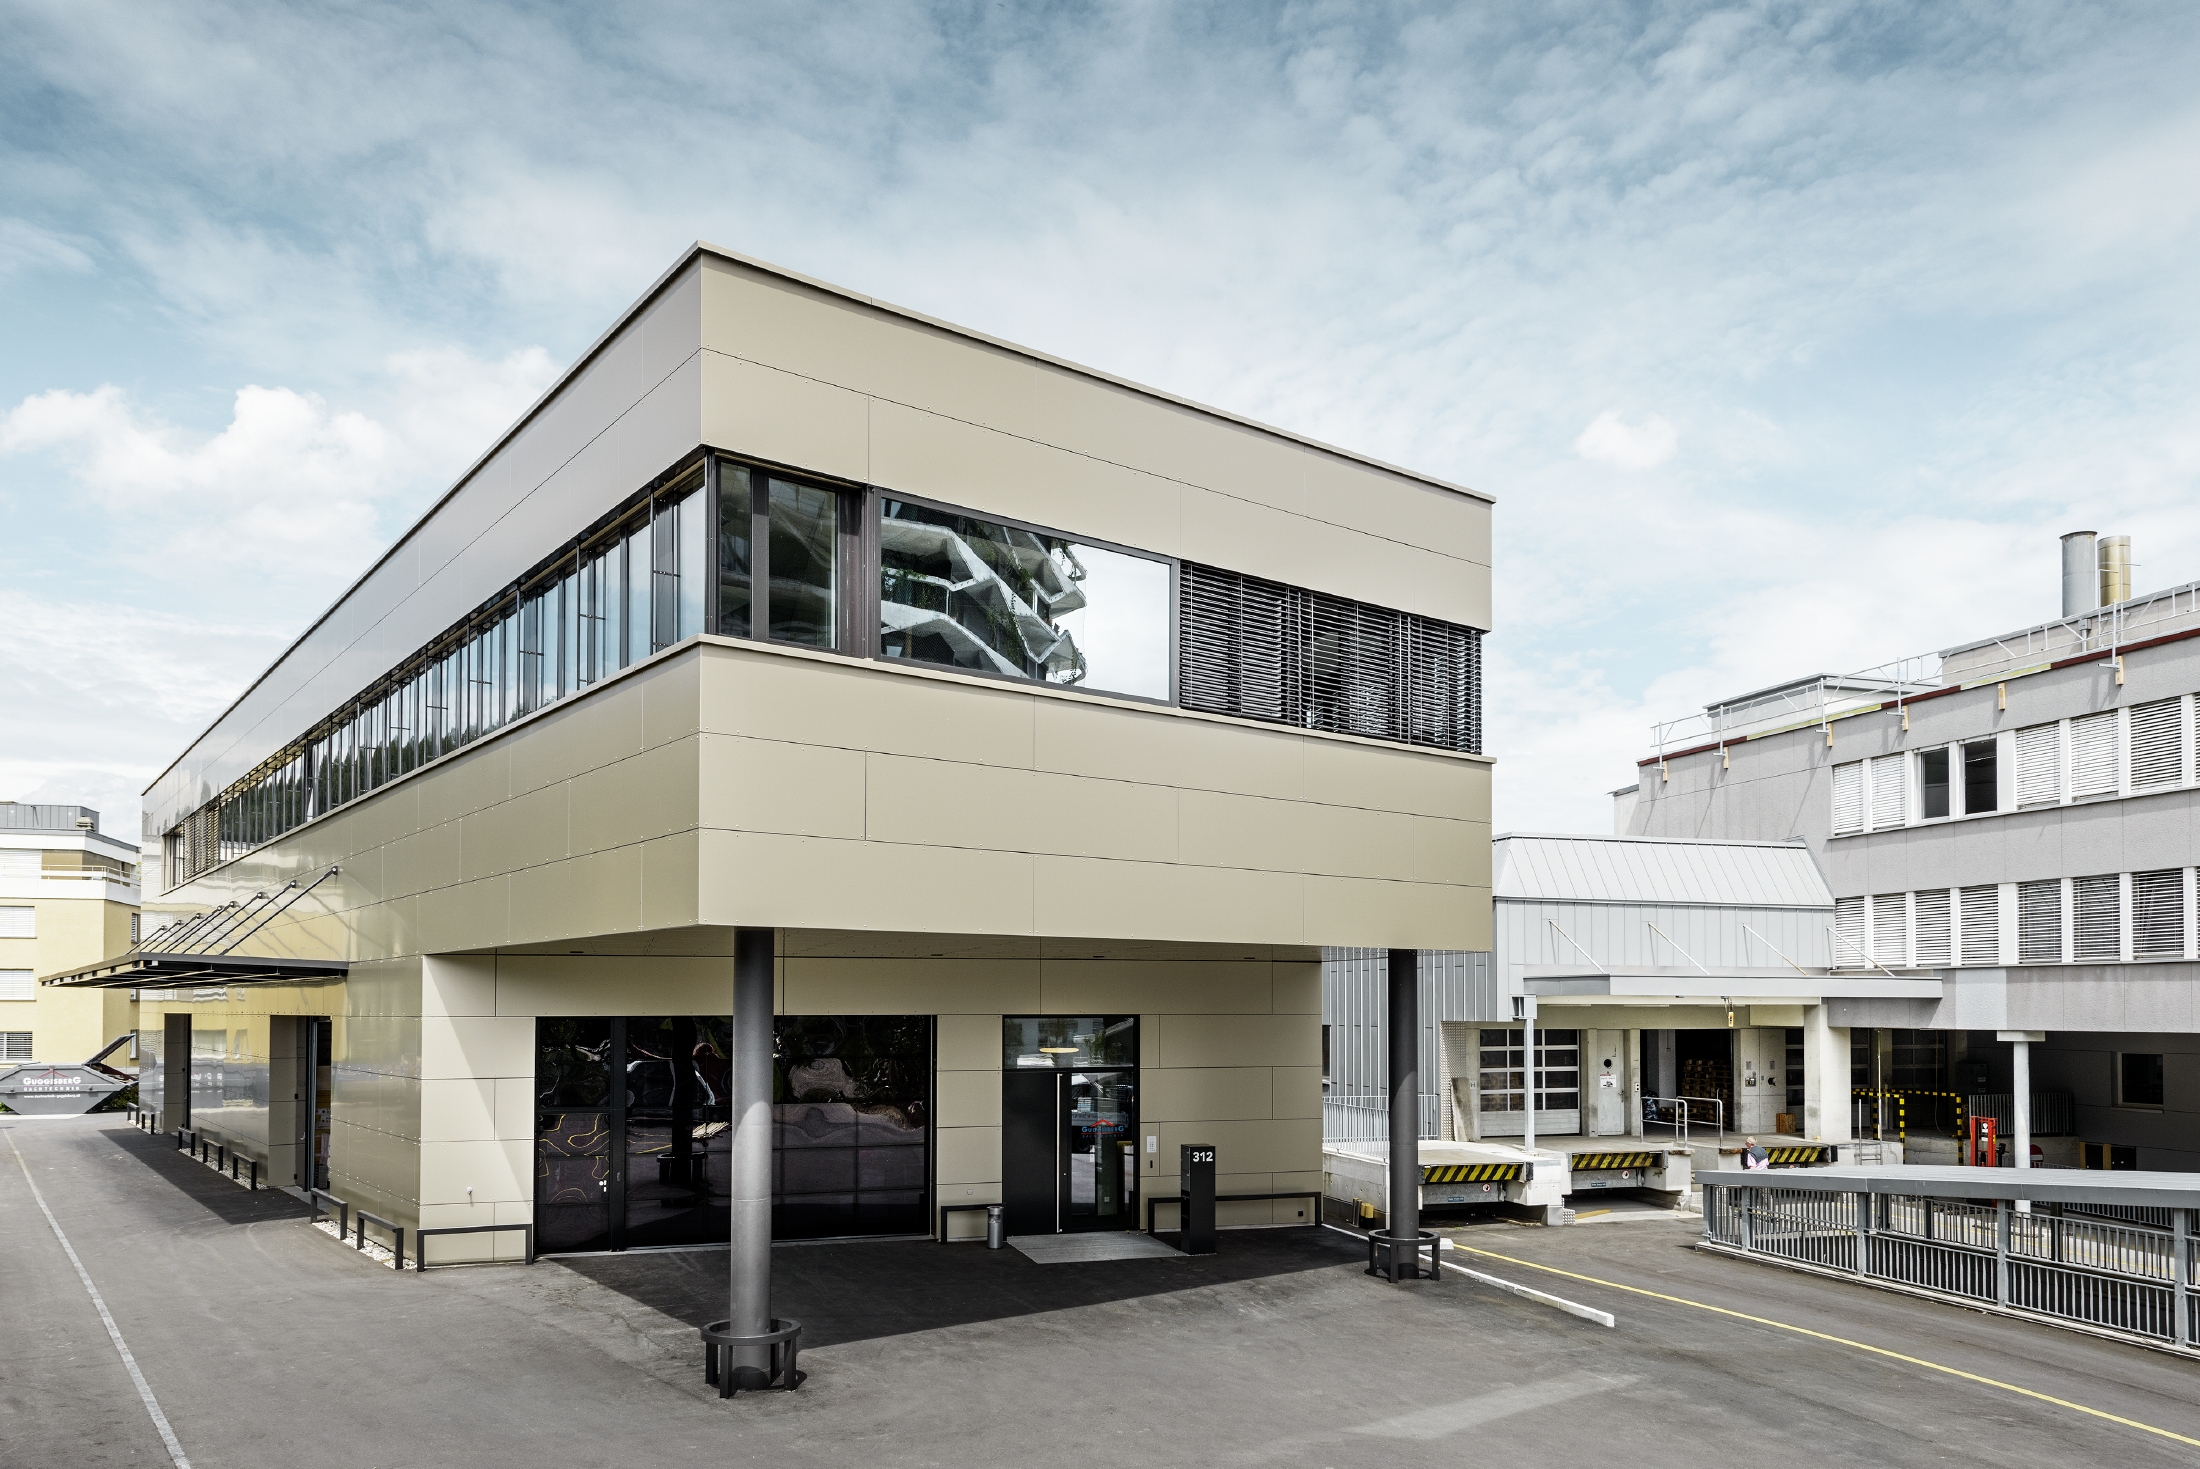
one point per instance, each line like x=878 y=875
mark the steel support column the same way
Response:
x=749 y=1084
x=1402 y=1024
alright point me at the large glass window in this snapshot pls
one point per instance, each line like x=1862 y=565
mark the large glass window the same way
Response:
x=805 y=563
x=633 y=1131
x=736 y=532
x=1069 y=1042
x=965 y=592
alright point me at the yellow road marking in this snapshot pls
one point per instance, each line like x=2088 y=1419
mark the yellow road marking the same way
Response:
x=1842 y=1341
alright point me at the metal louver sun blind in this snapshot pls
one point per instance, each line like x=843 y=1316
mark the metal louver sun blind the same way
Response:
x=1981 y=914
x=2096 y=908
x=2093 y=755
x=1848 y=927
x=2157 y=907
x=1848 y=798
x=1890 y=930
x=2039 y=765
x=1262 y=650
x=2157 y=744
x=1889 y=791
x=1935 y=930
x=2039 y=921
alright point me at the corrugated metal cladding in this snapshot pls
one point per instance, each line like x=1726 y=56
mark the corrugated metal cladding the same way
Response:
x=1618 y=934
x=1355 y=986
x=1602 y=869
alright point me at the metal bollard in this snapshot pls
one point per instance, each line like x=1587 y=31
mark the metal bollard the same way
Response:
x=996 y=1227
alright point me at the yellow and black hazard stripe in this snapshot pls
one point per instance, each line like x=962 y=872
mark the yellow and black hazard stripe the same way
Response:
x=1598 y=1162
x=1815 y=1153
x=1470 y=1172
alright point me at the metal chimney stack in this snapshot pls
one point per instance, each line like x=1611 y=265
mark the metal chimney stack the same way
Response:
x=2115 y=570
x=2082 y=574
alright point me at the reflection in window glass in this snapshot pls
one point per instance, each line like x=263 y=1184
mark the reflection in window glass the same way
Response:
x=573 y=1061
x=852 y=1119
x=970 y=593
x=735 y=529
x=805 y=543
x=1069 y=1042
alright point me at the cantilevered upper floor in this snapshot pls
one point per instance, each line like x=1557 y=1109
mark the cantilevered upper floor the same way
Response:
x=827 y=571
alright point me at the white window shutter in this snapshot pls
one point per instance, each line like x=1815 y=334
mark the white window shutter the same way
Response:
x=1890 y=804
x=18 y=923
x=2158 y=914
x=2096 y=918
x=2157 y=744
x=2039 y=765
x=1848 y=927
x=1982 y=925
x=1848 y=798
x=2093 y=755
x=1891 y=930
x=1935 y=929
x=2039 y=921
x=18 y=984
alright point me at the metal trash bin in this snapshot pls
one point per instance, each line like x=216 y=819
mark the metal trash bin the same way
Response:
x=996 y=1227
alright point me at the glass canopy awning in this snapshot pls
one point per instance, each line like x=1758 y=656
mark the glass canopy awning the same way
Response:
x=168 y=971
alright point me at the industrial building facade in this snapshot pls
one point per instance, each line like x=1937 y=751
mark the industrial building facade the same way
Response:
x=2016 y=819
x=1036 y=730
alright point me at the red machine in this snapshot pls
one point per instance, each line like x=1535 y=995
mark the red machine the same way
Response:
x=1985 y=1143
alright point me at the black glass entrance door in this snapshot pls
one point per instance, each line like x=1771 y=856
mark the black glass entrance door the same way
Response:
x=1069 y=1123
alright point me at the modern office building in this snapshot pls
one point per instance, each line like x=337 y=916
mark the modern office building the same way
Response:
x=2017 y=819
x=993 y=743
x=68 y=897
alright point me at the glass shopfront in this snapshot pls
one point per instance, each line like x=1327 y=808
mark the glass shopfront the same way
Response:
x=632 y=1144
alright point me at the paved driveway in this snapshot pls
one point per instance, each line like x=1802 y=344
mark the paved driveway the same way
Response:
x=267 y=1344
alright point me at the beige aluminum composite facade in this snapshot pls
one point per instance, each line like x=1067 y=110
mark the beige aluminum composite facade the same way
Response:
x=925 y=842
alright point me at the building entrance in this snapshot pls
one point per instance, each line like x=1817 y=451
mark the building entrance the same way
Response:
x=1069 y=1123
x=633 y=1145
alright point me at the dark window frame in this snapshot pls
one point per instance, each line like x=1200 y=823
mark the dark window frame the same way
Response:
x=2122 y=1076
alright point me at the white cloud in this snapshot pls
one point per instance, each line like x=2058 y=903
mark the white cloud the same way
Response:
x=1612 y=440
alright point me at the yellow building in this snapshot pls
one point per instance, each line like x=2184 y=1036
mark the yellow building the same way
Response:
x=823 y=767
x=68 y=897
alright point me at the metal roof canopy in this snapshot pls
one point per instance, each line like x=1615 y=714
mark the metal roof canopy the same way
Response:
x=1646 y=984
x=2131 y=1189
x=1656 y=871
x=164 y=971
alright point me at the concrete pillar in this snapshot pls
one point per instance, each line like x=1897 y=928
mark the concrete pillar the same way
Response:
x=749 y=1085
x=1633 y=1083
x=2020 y=1092
x=1402 y=1025
x=1826 y=1109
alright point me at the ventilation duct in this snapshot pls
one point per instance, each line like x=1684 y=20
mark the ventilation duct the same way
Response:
x=2115 y=562
x=2081 y=574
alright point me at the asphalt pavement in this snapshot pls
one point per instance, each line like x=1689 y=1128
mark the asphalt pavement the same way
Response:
x=266 y=1343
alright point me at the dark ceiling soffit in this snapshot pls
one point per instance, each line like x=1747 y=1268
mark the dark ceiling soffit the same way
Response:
x=165 y=971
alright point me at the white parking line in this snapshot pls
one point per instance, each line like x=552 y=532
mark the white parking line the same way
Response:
x=114 y=1334
x=1541 y=1298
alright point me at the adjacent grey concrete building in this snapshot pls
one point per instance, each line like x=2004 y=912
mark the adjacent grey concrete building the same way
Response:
x=2018 y=817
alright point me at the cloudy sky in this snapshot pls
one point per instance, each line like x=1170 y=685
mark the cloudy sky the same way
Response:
x=1787 y=336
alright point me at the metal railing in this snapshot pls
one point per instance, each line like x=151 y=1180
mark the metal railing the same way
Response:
x=1367 y=1119
x=2054 y=1114
x=2130 y=1279
x=1682 y=1114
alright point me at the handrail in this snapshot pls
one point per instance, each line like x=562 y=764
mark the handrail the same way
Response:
x=1686 y=1115
x=420 y=1239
